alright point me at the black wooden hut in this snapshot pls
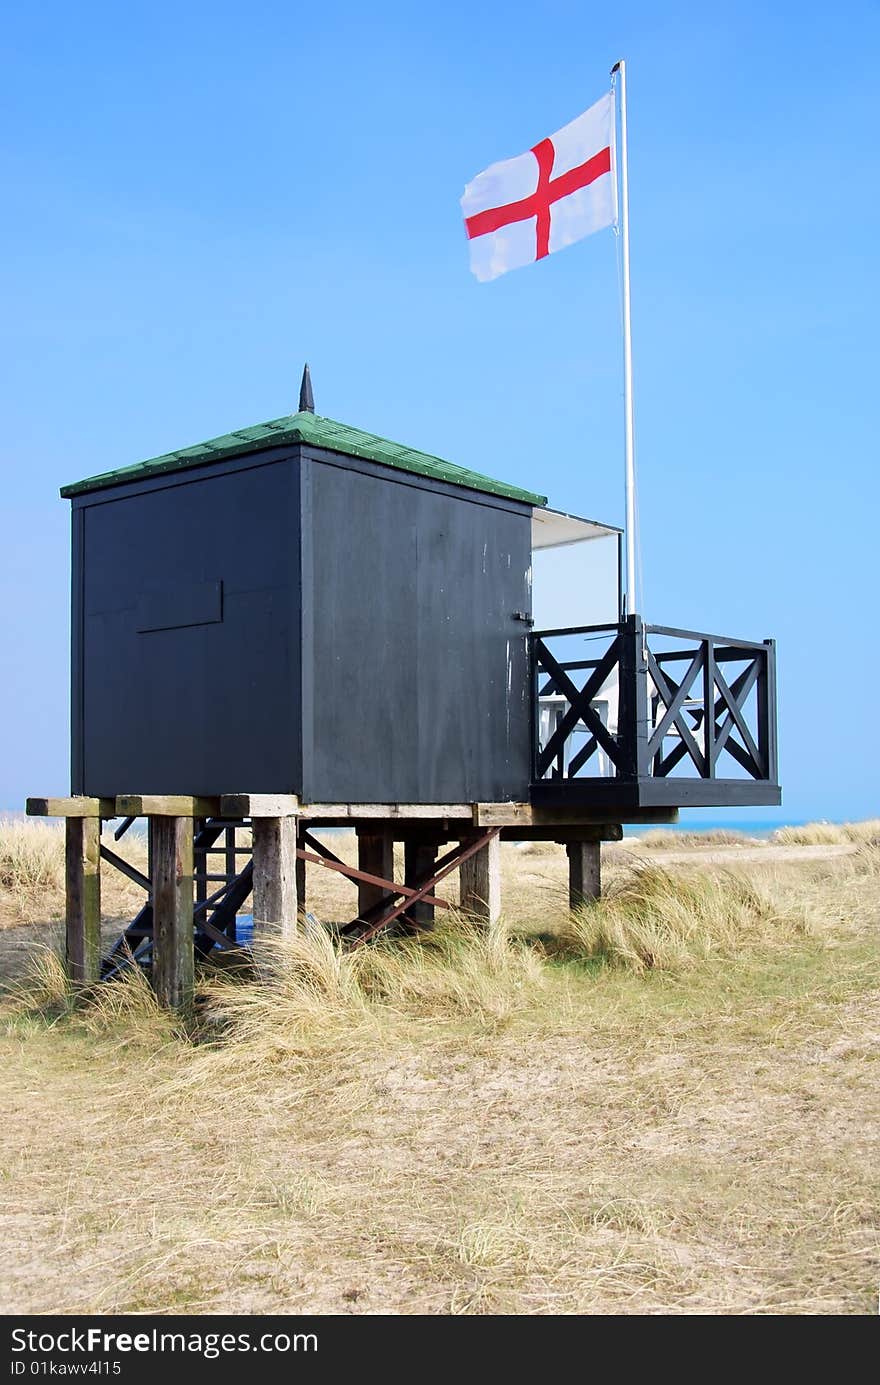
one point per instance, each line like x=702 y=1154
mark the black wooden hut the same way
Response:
x=302 y=625
x=302 y=607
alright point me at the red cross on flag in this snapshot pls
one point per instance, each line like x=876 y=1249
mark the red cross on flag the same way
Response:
x=562 y=190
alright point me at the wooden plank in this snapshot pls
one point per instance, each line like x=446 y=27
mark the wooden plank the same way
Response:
x=259 y=805
x=501 y=814
x=480 y=877
x=171 y=857
x=561 y=833
x=75 y=807
x=82 y=872
x=584 y=873
x=708 y=793
x=375 y=857
x=387 y=811
x=166 y=805
x=275 y=905
x=746 y=645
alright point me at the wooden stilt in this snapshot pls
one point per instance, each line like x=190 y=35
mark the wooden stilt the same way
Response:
x=375 y=857
x=275 y=909
x=300 y=873
x=480 y=878
x=200 y=864
x=82 y=862
x=419 y=858
x=171 y=853
x=584 y=873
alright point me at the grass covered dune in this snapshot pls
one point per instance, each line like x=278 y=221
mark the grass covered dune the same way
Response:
x=665 y=1104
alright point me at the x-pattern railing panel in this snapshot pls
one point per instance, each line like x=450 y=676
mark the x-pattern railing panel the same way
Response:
x=707 y=712
x=579 y=708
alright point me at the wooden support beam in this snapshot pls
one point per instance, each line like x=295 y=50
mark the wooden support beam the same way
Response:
x=275 y=907
x=76 y=807
x=375 y=857
x=579 y=812
x=502 y=814
x=82 y=879
x=419 y=858
x=480 y=877
x=584 y=873
x=562 y=833
x=390 y=811
x=173 y=805
x=259 y=805
x=300 y=872
x=171 y=856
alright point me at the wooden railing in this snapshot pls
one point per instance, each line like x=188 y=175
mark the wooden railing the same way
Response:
x=652 y=702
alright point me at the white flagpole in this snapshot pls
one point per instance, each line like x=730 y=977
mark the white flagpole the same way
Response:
x=631 y=604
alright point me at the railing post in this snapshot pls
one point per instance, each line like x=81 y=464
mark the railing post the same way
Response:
x=767 y=713
x=535 y=719
x=709 y=706
x=633 y=715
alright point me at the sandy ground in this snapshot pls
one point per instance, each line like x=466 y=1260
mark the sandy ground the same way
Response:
x=703 y=1142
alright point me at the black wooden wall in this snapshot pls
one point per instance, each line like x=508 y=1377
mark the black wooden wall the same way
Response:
x=211 y=705
x=414 y=667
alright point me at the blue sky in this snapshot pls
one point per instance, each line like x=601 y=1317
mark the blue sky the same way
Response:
x=198 y=197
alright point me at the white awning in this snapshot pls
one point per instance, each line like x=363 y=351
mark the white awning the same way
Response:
x=552 y=529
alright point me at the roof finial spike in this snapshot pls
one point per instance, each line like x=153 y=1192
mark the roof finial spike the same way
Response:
x=306 y=398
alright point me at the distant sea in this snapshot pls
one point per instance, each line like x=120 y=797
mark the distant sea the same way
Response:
x=750 y=827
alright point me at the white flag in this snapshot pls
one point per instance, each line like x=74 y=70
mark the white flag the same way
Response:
x=560 y=191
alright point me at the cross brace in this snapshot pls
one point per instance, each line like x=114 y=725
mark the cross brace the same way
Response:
x=387 y=912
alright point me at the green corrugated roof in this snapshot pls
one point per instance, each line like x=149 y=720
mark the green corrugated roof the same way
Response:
x=320 y=432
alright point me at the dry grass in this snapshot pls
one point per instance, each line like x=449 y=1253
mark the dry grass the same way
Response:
x=31 y=864
x=663 y=839
x=828 y=833
x=311 y=986
x=667 y=1105
x=32 y=872
x=656 y=918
